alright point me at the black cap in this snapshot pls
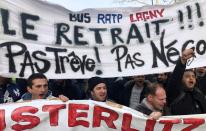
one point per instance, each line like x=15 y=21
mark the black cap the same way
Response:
x=92 y=82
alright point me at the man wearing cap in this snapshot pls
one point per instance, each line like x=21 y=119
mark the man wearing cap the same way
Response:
x=97 y=89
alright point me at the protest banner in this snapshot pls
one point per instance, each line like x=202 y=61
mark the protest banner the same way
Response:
x=88 y=115
x=36 y=36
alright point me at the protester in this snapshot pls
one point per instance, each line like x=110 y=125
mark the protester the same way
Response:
x=201 y=79
x=10 y=91
x=184 y=98
x=97 y=89
x=162 y=78
x=37 y=87
x=134 y=91
x=154 y=105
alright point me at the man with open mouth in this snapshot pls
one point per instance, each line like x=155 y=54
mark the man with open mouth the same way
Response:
x=183 y=95
x=37 y=87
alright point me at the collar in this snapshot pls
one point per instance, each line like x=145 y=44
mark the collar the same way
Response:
x=28 y=96
x=148 y=105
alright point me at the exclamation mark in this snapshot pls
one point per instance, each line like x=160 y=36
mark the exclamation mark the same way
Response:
x=199 y=15
x=98 y=71
x=180 y=18
x=189 y=11
x=147 y=30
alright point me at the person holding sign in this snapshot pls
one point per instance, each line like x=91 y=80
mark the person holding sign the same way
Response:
x=183 y=96
x=37 y=87
x=154 y=105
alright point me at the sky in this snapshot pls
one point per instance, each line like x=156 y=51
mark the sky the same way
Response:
x=77 y=5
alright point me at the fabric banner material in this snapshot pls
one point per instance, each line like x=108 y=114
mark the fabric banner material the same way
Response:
x=36 y=36
x=88 y=115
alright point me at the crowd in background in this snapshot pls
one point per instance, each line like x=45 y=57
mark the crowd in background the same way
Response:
x=129 y=91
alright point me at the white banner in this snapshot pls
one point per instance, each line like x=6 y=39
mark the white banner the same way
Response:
x=36 y=36
x=87 y=115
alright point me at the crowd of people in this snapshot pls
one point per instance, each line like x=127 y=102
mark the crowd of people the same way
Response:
x=180 y=92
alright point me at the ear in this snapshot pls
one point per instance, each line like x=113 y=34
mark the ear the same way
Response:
x=92 y=93
x=29 y=89
x=150 y=97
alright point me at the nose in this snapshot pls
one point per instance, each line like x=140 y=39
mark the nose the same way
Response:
x=164 y=101
x=103 y=90
x=42 y=89
x=192 y=77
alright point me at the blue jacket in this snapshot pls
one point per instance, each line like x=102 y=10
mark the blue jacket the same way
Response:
x=28 y=96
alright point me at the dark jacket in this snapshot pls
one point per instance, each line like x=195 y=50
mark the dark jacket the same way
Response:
x=67 y=88
x=126 y=93
x=115 y=91
x=201 y=84
x=181 y=100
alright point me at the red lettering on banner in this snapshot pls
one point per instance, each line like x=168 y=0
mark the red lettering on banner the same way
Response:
x=169 y=123
x=126 y=122
x=53 y=112
x=73 y=114
x=18 y=117
x=97 y=117
x=194 y=121
x=2 y=120
x=143 y=16
x=150 y=125
x=26 y=117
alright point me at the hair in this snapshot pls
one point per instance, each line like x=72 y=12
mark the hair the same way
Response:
x=165 y=73
x=190 y=70
x=93 y=81
x=151 y=90
x=33 y=77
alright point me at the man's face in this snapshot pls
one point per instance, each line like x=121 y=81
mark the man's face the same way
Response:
x=162 y=77
x=39 y=88
x=139 y=80
x=201 y=71
x=158 y=100
x=99 y=93
x=189 y=79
